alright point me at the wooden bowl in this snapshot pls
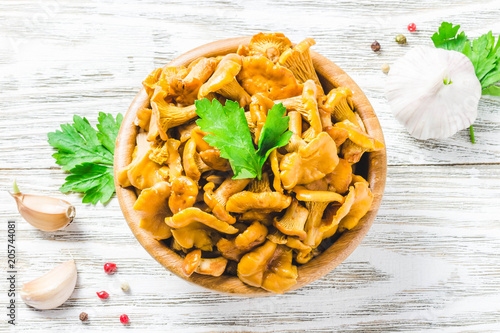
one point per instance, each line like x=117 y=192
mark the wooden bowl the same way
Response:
x=374 y=166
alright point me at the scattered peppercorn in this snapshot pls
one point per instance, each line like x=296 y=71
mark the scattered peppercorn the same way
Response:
x=110 y=268
x=124 y=319
x=125 y=286
x=385 y=68
x=400 y=39
x=375 y=46
x=102 y=294
x=412 y=27
x=84 y=316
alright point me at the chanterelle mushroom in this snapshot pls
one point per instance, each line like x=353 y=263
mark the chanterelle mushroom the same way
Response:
x=193 y=214
x=292 y=223
x=307 y=105
x=217 y=200
x=195 y=235
x=270 y=267
x=310 y=163
x=224 y=82
x=168 y=115
x=299 y=61
x=142 y=172
x=338 y=103
x=184 y=193
x=261 y=199
x=151 y=206
x=362 y=203
x=193 y=164
x=187 y=88
x=260 y=75
x=270 y=45
x=234 y=249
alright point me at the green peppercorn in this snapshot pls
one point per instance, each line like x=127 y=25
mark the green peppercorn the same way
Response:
x=400 y=39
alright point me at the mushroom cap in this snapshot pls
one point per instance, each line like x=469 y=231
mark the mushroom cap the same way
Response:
x=267 y=201
x=422 y=101
x=260 y=75
x=270 y=45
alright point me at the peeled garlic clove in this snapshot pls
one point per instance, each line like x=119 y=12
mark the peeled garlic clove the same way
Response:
x=52 y=289
x=433 y=92
x=44 y=213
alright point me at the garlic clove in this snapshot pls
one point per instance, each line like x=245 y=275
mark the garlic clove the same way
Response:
x=433 y=92
x=52 y=289
x=44 y=213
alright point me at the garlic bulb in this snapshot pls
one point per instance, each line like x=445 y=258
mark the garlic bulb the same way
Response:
x=52 y=289
x=433 y=92
x=44 y=213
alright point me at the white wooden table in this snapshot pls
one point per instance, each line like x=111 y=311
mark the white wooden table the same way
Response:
x=431 y=261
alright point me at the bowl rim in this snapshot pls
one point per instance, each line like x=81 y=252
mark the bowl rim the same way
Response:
x=330 y=75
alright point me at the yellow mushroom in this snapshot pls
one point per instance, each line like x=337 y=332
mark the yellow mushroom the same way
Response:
x=293 y=221
x=303 y=194
x=310 y=163
x=152 y=208
x=143 y=118
x=340 y=178
x=251 y=237
x=336 y=212
x=303 y=252
x=192 y=162
x=361 y=205
x=168 y=115
x=186 y=130
x=338 y=103
x=187 y=88
x=159 y=152
x=195 y=235
x=260 y=75
x=191 y=262
x=260 y=197
x=184 y=193
x=269 y=266
x=212 y=158
x=217 y=200
x=299 y=61
x=339 y=135
x=259 y=106
x=212 y=266
x=359 y=137
x=151 y=80
x=295 y=126
x=275 y=167
x=307 y=105
x=142 y=172
x=224 y=82
x=193 y=214
x=270 y=45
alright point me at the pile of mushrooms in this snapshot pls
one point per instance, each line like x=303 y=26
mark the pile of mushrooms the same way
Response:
x=259 y=230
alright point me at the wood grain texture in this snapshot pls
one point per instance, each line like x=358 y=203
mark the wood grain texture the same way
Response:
x=430 y=261
x=331 y=76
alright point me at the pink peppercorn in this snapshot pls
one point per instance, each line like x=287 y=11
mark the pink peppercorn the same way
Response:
x=110 y=268
x=412 y=27
x=124 y=319
x=102 y=294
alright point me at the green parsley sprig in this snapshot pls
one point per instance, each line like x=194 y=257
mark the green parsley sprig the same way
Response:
x=87 y=154
x=229 y=132
x=483 y=52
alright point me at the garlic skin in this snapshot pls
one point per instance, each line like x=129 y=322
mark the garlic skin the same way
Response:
x=433 y=92
x=44 y=213
x=52 y=289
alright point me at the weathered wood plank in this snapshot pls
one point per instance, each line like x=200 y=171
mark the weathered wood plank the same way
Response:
x=430 y=262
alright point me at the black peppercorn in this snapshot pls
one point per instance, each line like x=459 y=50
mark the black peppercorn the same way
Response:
x=84 y=316
x=375 y=46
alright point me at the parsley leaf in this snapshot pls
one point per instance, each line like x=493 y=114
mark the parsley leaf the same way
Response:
x=228 y=131
x=88 y=155
x=446 y=37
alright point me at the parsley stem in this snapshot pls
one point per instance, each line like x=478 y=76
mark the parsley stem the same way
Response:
x=472 y=138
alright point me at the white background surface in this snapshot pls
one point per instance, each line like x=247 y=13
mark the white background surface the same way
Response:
x=431 y=260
